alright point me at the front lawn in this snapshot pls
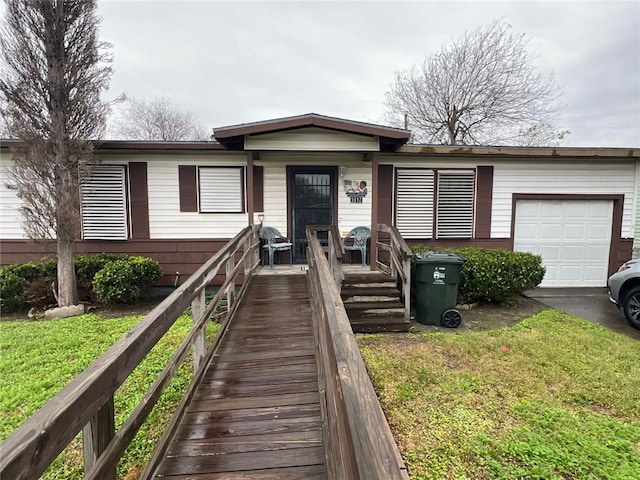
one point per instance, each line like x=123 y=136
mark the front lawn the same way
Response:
x=554 y=397
x=38 y=359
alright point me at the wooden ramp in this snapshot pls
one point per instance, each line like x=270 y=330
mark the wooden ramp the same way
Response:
x=256 y=414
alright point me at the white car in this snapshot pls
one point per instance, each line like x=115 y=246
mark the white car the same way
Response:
x=624 y=290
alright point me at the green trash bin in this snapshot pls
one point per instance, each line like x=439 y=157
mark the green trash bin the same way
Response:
x=437 y=276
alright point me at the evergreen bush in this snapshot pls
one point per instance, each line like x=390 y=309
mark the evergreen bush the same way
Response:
x=30 y=284
x=493 y=275
x=123 y=280
x=12 y=293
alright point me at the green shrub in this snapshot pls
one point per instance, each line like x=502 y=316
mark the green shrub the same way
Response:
x=26 y=271
x=123 y=280
x=493 y=275
x=12 y=292
x=88 y=265
x=29 y=284
x=35 y=284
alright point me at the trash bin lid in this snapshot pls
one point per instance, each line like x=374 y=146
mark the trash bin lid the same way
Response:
x=433 y=257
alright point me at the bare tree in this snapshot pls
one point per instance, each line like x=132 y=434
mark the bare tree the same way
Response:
x=157 y=120
x=54 y=69
x=481 y=89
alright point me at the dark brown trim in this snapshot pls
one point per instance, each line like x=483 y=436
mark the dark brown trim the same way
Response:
x=139 y=200
x=384 y=195
x=100 y=145
x=249 y=176
x=463 y=242
x=617 y=243
x=517 y=153
x=374 y=211
x=484 y=201
x=157 y=145
x=188 y=186
x=258 y=188
x=176 y=255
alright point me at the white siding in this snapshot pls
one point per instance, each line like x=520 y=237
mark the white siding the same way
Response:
x=10 y=218
x=275 y=196
x=10 y=226
x=312 y=139
x=351 y=215
x=165 y=218
x=275 y=187
x=589 y=177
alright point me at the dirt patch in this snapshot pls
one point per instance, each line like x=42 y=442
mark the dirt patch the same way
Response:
x=479 y=317
x=488 y=317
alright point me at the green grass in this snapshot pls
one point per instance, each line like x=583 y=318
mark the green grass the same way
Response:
x=37 y=359
x=555 y=397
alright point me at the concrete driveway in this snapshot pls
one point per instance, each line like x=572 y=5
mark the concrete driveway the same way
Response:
x=589 y=303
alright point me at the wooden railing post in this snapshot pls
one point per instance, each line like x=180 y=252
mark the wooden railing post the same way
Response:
x=200 y=342
x=231 y=289
x=406 y=286
x=96 y=435
x=246 y=263
x=257 y=259
x=336 y=264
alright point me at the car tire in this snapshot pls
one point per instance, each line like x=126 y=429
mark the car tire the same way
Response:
x=631 y=307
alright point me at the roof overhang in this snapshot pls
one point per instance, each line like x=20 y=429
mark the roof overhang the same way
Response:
x=496 y=151
x=233 y=136
x=101 y=145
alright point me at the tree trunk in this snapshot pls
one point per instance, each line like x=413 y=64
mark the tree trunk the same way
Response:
x=67 y=288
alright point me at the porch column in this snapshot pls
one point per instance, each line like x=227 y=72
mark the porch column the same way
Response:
x=249 y=174
x=373 y=256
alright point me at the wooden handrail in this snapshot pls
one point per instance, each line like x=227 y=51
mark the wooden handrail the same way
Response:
x=399 y=261
x=359 y=444
x=335 y=251
x=87 y=400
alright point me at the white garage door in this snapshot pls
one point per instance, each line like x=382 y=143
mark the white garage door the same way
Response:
x=573 y=238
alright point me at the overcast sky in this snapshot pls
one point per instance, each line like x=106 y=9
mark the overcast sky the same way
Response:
x=236 y=62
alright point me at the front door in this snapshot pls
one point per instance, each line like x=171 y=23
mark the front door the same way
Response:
x=312 y=202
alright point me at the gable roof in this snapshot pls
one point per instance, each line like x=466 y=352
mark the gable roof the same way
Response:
x=233 y=136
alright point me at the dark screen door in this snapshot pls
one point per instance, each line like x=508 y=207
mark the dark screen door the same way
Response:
x=311 y=204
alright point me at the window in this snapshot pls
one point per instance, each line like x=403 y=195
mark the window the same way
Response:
x=441 y=200
x=414 y=203
x=221 y=189
x=454 y=210
x=104 y=204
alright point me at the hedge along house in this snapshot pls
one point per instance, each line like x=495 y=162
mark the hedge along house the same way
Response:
x=179 y=202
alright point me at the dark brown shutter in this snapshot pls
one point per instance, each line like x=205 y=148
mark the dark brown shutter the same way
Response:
x=385 y=194
x=258 y=189
x=139 y=201
x=484 y=199
x=188 y=184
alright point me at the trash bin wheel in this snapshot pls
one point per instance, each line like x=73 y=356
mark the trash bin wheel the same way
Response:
x=451 y=318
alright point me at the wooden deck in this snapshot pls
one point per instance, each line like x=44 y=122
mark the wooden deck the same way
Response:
x=256 y=414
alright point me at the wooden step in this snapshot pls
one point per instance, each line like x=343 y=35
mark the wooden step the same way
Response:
x=367 y=291
x=380 y=324
x=387 y=304
x=370 y=277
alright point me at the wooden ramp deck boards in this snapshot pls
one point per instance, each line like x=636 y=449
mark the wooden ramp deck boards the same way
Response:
x=256 y=413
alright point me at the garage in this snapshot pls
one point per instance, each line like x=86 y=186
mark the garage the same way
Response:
x=573 y=237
